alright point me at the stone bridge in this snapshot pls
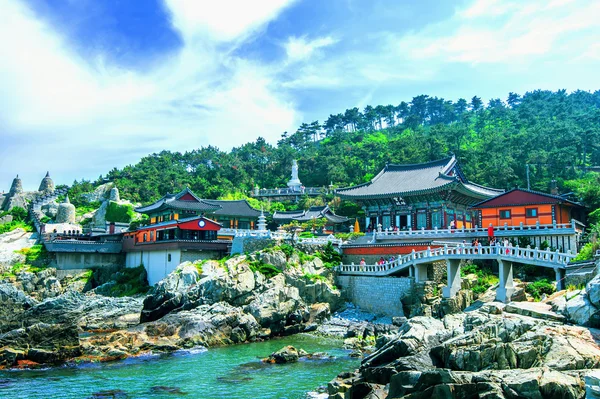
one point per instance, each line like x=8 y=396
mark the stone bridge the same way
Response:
x=416 y=263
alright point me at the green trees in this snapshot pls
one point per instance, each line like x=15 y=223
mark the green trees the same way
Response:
x=556 y=133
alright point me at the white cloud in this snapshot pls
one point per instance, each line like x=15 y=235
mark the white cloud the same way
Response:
x=299 y=48
x=222 y=20
x=72 y=116
x=493 y=31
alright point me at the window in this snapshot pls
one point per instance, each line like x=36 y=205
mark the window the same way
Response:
x=505 y=214
x=531 y=212
x=436 y=219
x=145 y=237
x=168 y=257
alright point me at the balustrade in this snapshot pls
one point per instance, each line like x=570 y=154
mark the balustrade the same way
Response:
x=546 y=257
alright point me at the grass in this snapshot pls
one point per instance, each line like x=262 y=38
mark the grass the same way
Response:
x=36 y=260
x=7 y=227
x=539 y=288
x=314 y=277
x=578 y=287
x=129 y=282
x=485 y=278
x=87 y=208
x=266 y=269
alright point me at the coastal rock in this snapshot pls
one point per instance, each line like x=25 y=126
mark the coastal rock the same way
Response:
x=593 y=291
x=579 y=310
x=287 y=354
x=275 y=258
x=44 y=343
x=13 y=241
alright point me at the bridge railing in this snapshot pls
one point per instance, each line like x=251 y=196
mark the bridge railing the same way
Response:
x=524 y=255
x=554 y=228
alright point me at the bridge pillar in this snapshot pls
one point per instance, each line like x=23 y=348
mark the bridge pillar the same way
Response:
x=506 y=288
x=420 y=272
x=411 y=271
x=560 y=278
x=454 y=280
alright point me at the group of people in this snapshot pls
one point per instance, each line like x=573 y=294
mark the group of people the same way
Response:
x=381 y=261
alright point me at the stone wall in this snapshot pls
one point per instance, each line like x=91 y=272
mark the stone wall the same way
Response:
x=74 y=260
x=379 y=295
x=241 y=245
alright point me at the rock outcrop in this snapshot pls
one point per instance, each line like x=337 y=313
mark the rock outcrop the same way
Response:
x=453 y=358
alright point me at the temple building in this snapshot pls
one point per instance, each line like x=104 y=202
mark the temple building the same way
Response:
x=237 y=214
x=420 y=196
x=313 y=213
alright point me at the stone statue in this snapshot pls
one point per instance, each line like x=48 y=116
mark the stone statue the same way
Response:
x=294 y=182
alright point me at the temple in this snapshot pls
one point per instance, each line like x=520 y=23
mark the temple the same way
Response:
x=313 y=213
x=421 y=196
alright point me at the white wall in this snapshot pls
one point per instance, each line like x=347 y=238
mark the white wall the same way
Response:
x=157 y=262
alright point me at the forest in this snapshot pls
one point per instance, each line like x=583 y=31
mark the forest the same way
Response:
x=553 y=133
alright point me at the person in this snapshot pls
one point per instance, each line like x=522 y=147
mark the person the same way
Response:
x=452 y=224
x=381 y=261
x=506 y=245
x=490 y=231
x=362 y=262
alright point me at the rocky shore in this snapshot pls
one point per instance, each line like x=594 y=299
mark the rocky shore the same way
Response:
x=202 y=304
x=487 y=350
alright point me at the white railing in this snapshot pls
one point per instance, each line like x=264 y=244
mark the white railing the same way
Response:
x=321 y=240
x=290 y=191
x=554 y=228
x=522 y=255
x=278 y=235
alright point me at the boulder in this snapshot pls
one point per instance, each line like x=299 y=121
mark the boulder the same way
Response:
x=593 y=291
x=579 y=310
x=287 y=354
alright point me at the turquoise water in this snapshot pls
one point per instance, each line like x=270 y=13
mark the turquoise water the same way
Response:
x=229 y=372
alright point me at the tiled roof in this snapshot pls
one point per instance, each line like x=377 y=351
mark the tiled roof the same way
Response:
x=172 y=201
x=234 y=208
x=521 y=196
x=402 y=180
x=314 y=212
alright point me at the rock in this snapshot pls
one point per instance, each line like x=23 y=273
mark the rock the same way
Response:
x=13 y=241
x=6 y=219
x=101 y=193
x=275 y=258
x=579 y=310
x=593 y=291
x=287 y=354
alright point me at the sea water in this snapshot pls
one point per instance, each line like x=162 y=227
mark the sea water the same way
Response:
x=228 y=372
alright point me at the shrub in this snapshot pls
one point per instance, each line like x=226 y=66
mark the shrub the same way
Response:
x=330 y=256
x=314 y=277
x=119 y=213
x=287 y=249
x=129 y=281
x=485 y=278
x=6 y=227
x=539 y=288
x=266 y=269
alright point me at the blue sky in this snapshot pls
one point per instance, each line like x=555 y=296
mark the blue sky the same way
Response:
x=87 y=85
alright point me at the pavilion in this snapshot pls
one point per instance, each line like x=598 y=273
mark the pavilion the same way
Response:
x=419 y=196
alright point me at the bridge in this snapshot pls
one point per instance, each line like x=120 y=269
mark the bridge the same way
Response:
x=416 y=263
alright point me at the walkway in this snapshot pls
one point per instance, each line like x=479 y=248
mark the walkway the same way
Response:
x=416 y=263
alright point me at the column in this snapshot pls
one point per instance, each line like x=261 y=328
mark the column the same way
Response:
x=506 y=287
x=454 y=280
x=560 y=278
x=421 y=272
x=411 y=271
x=409 y=220
x=397 y=221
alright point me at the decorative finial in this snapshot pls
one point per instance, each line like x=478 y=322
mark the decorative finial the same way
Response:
x=67 y=199
x=48 y=174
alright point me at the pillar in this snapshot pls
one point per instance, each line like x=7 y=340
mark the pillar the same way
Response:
x=560 y=278
x=454 y=280
x=421 y=272
x=411 y=271
x=409 y=221
x=506 y=287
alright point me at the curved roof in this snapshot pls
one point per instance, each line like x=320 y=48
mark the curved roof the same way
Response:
x=405 y=180
x=234 y=208
x=314 y=212
x=176 y=201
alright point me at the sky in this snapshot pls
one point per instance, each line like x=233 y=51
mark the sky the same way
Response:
x=88 y=85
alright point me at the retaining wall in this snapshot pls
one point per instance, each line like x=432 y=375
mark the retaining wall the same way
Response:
x=379 y=295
